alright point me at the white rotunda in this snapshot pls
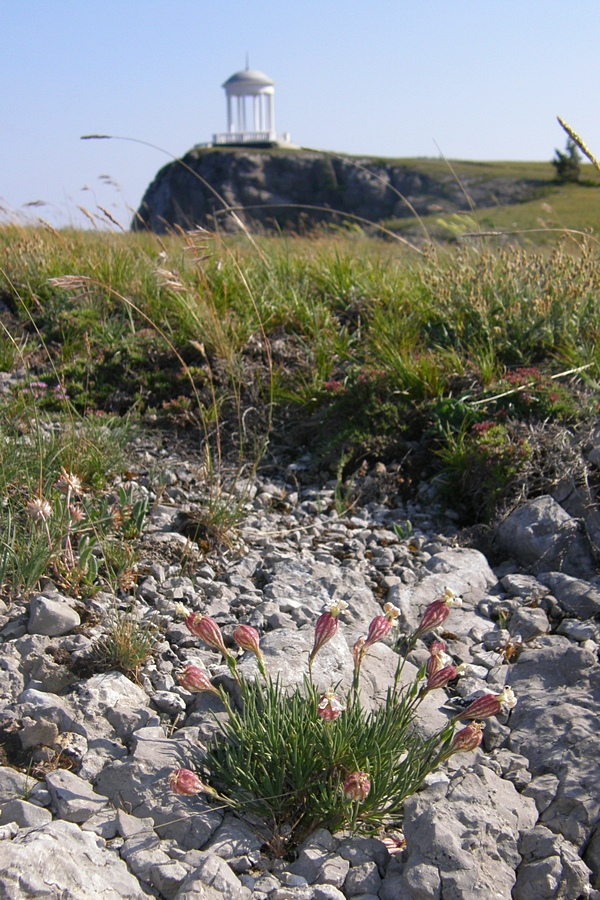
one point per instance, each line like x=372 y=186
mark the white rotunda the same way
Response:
x=250 y=110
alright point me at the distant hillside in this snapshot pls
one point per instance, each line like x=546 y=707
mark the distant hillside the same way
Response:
x=295 y=189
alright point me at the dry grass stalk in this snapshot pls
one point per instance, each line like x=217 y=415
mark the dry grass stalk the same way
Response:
x=579 y=141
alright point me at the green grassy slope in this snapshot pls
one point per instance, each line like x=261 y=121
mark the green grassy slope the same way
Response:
x=536 y=222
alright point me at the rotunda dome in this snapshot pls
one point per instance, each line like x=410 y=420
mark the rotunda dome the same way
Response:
x=249 y=77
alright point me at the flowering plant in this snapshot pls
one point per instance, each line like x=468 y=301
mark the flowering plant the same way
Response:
x=304 y=758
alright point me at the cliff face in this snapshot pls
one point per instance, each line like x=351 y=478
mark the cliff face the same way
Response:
x=276 y=188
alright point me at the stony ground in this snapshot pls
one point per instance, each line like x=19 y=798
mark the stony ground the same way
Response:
x=95 y=818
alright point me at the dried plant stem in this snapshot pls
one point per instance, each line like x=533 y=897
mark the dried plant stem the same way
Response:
x=530 y=384
x=579 y=141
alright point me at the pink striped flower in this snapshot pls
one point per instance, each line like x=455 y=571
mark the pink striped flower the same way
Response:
x=195 y=679
x=330 y=707
x=441 y=678
x=468 y=738
x=357 y=786
x=437 y=613
x=395 y=844
x=381 y=626
x=434 y=616
x=378 y=629
x=248 y=639
x=207 y=630
x=186 y=783
x=326 y=627
x=489 y=705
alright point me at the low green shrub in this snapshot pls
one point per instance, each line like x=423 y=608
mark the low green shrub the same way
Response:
x=479 y=466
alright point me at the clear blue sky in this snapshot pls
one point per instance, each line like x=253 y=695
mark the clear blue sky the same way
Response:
x=484 y=79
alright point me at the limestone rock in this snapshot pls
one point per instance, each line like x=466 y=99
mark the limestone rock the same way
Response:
x=553 y=662
x=551 y=868
x=73 y=798
x=211 y=880
x=303 y=588
x=272 y=182
x=555 y=725
x=167 y=878
x=235 y=839
x=542 y=536
x=24 y=814
x=463 y=836
x=526 y=587
x=362 y=879
x=529 y=623
x=51 y=615
x=576 y=597
x=592 y=856
x=13 y=784
x=111 y=698
x=59 y=860
x=12 y=681
x=141 y=786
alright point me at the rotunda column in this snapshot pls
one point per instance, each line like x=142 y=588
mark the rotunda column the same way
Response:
x=271 y=116
x=256 y=104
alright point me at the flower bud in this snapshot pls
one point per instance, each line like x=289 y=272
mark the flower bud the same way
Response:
x=437 y=613
x=378 y=629
x=468 y=738
x=436 y=658
x=247 y=638
x=482 y=708
x=358 y=651
x=434 y=616
x=186 y=782
x=195 y=679
x=207 y=630
x=441 y=678
x=357 y=786
x=325 y=629
x=330 y=708
x=489 y=705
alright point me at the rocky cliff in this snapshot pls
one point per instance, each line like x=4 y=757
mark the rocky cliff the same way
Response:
x=294 y=189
